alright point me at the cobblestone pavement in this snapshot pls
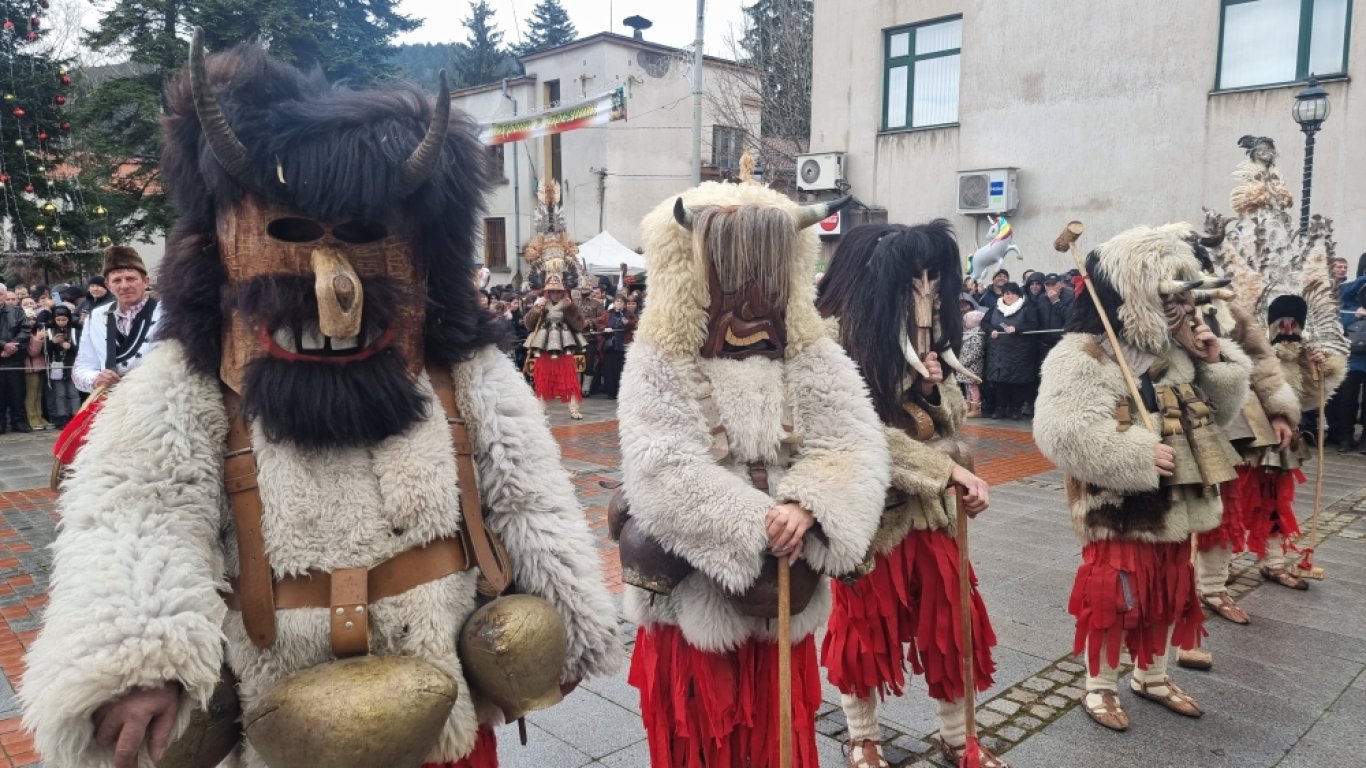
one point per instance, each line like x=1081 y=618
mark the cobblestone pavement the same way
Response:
x=1288 y=691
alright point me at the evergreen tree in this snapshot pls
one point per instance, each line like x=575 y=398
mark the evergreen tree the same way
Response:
x=548 y=27
x=420 y=62
x=482 y=58
x=50 y=229
x=777 y=42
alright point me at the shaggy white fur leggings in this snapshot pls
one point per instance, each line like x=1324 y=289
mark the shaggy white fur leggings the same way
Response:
x=861 y=715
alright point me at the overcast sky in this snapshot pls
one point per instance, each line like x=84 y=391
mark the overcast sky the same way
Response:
x=675 y=21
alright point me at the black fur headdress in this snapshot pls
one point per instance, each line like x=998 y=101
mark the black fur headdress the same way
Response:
x=868 y=287
x=340 y=152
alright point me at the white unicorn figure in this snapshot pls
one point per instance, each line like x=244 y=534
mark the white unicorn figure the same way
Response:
x=988 y=259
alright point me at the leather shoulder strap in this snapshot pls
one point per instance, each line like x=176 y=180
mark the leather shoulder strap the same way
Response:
x=481 y=540
x=255 y=581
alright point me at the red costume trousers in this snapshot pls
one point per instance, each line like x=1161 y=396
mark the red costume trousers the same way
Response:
x=557 y=376
x=1130 y=594
x=1258 y=506
x=720 y=710
x=910 y=600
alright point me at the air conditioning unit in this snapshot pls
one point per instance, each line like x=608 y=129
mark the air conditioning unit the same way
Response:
x=991 y=190
x=820 y=172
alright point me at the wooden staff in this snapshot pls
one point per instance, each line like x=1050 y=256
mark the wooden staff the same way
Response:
x=784 y=662
x=1306 y=564
x=1067 y=241
x=971 y=753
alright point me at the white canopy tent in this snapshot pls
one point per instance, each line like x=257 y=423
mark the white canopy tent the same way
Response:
x=604 y=255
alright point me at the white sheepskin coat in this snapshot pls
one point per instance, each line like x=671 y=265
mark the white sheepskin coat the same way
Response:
x=1111 y=475
x=146 y=542
x=710 y=514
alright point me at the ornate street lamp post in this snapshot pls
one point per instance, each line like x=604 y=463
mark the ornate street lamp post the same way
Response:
x=1310 y=110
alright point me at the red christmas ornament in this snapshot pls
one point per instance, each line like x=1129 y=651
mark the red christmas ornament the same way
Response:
x=60 y=99
x=66 y=79
x=44 y=3
x=9 y=25
x=33 y=35
x=19 y=112
x=4 y=177
x=42 y=136
x=35 y=22
x=28 y=187
x=66 y=127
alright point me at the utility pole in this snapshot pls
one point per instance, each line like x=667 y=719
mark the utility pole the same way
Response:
x=697 y=95
x=516 y=200
x=602 y=193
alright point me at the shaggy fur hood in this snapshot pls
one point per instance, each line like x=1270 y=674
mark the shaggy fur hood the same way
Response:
x=677 y=320
x=1132 y=264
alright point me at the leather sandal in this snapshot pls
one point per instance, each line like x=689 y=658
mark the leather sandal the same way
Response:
x=575 y=413
x=1174 y=699
x=1196 y=658
x=1108 y=712
x=1284 y=577
x=1228 y=610
x=955 y=755
x=866 y=753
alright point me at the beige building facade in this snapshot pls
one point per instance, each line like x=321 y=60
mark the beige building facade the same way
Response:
x=1115 y=113
x=611 y=175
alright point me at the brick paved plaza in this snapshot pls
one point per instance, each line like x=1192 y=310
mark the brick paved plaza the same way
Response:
x=1287 y=691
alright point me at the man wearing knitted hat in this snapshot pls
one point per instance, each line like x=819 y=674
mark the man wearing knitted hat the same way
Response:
x=119 y=334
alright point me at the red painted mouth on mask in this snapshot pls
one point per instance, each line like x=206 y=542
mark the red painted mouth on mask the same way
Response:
x=273 y=349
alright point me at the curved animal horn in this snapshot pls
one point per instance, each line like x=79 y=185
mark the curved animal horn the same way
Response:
x=1214 y=240
x=951 y=360
x=912 y=357
x=682 y=215
x=810 y=214
x=224 y=144
x=419 y=166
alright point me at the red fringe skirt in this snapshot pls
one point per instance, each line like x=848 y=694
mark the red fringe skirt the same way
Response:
x=910 y=599
x=556 y=376
x=1160 y=595
x=1258 y=504
x=719 y=710
x=485 y=754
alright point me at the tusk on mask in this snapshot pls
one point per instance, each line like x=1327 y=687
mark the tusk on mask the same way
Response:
x=951 y=360
x=912 y=357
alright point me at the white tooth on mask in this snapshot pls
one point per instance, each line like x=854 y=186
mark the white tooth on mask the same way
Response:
x=284 y=337
x=371 y=336
x=313 y=339
x=341 y=345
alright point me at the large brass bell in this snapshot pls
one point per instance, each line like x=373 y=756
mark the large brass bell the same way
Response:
x=1187 y=470
x=760 y=601
x=1263 y=435
x=1216 y=456
x=645 y=563
x=513 y=650
x=363 y=712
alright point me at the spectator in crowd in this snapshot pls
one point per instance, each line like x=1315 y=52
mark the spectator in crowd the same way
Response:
x=973 y=354
x=15 y=333
x=618 y=328
x=1012 y=365
x=125 y=325
x=12 y=299
x=992 y=293
x=1053 y=307
x=62 y=399
x=503 y=325
x=97 y=294
x=1347 y=409
x=34 y=366
x=591 y=309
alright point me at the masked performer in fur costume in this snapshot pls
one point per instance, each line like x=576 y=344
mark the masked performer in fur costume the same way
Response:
x=746 y=435
x=892 y=293
x=1136 y=496
x=556 y=343
x=295 y=475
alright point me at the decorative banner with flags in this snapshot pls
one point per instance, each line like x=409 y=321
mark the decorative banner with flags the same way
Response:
x=598 y=110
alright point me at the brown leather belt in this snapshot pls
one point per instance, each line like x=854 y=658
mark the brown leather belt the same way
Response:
x=398 y=574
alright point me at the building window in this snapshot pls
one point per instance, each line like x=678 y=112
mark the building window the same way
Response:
x=1270 y=42
x=727 y=144
x=495 y=244
x=496 y=158
x=920 y=76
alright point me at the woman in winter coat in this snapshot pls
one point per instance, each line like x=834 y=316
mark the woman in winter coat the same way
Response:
x=1012 y=358
x=60 y=349
x=34 y=365
x=973 y=354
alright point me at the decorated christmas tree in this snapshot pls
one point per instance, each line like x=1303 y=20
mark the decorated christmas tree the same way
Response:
x=50 y=227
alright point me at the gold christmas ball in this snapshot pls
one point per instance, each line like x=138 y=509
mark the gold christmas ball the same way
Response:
x=100 y=211
x=59 y=244
x=40 y=228
x=50 y=209
x=18 y=142
x=9 y=97
x=106 y=241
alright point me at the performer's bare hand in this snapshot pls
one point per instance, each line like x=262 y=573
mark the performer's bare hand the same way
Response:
x=1284 y=432
x=142 y=714
x=107 y=379
x=1317 y=357
x=540 y=302
x=976 y=496
x=1208 y=341
x=1164 y=456
x=936 y=373
x=787 y=525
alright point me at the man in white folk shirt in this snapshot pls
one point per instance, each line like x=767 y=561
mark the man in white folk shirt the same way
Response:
x=118 y=334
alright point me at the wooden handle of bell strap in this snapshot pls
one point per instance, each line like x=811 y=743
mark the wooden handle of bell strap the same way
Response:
x=255 y=582
x=479 y=538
